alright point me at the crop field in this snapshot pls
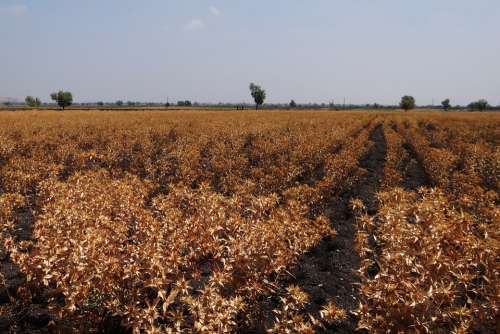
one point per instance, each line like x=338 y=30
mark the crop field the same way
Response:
x=202 y=221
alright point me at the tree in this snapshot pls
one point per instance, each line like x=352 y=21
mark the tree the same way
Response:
x=119 y=103
x=258 y=94
x=30 y=101
x=63 y=99
x=480 y=105
x=33 y=102
x=446 y=104
x=186 y=103
x=293 y=104
x=100 y=103
x=407 y=103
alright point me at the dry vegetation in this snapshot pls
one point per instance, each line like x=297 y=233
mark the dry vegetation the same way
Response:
x=194 y=221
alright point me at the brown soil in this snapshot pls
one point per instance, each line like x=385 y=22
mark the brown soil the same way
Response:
x=414 y=174
x=18 y=318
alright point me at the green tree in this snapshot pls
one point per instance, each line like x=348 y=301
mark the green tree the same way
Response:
x=293 y=104
x=446 y=104
x=100 y=103
x=33 y=102
x=30 y=101
x=185 y=103
x=407 y=103
x=62 y=98
x=119 y=103
x=480 y=105
x=258 y=94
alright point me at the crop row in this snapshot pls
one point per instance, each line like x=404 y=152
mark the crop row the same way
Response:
x=429 y=256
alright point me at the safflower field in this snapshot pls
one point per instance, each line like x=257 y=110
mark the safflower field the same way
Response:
x=200 y=221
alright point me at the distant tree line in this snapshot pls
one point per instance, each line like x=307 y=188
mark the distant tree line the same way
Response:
x=480 y=105
x=186 y=103
x=408 y=102
x=64 y=99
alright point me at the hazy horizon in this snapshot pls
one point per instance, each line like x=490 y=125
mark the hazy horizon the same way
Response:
x=209 y=51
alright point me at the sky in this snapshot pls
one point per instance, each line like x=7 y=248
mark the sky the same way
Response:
x=366 y=51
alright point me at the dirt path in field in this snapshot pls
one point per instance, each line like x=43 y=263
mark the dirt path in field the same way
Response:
x=13 y=278
x=23 y=231
x=32 y=319
x=414 y=175
x=340 y=282
x=327 y=272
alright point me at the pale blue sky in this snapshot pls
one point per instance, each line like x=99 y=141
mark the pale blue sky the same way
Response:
x=208 y=51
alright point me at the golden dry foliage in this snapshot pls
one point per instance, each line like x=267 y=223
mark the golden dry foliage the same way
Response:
x=430 y=258
x=289 y=318
x=394 y=158
x=438 y=267
x=98 y=246
x=466 y=166
x=170 y=225
x=186 y=221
